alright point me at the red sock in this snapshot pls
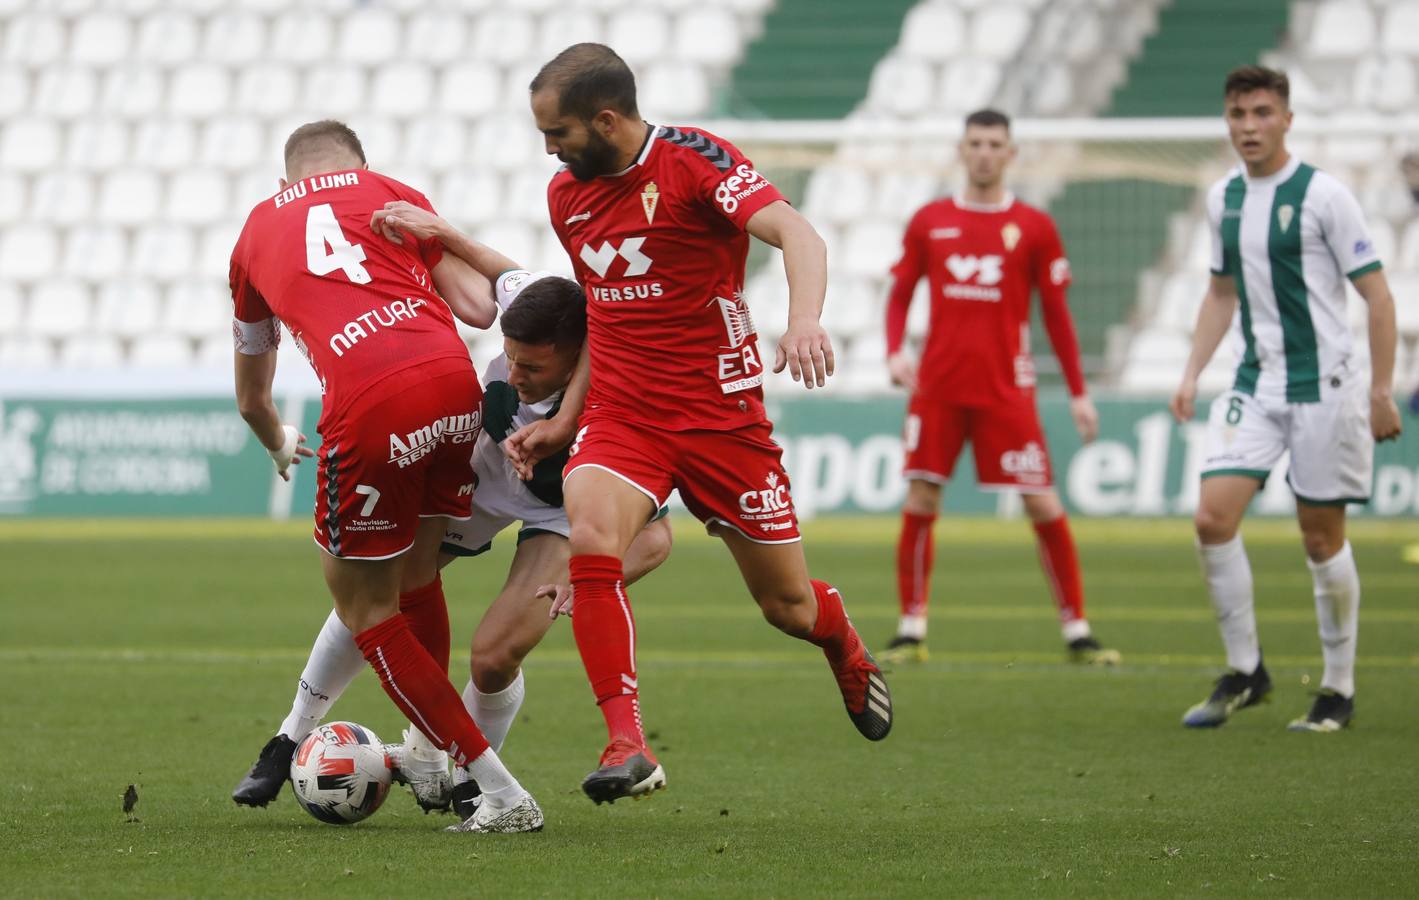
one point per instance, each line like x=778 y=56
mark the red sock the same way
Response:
x=427 y=614
x=1061 y=564
x=606 y=636
x=832 y=631
x=915 y=552
x=414 y=682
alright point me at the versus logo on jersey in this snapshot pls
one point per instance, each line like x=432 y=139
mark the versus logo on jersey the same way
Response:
x=600 y=259
x=650 y=199
x=975 y=277
x=1284 y=214
x=409 y=448
x=745 y=182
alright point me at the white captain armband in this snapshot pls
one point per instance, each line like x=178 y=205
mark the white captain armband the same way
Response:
x=256 y=338
x=509 y=284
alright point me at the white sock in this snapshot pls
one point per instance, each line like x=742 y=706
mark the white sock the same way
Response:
x=1074 y=629
x=494 y=780
x=418 y=744
x=335 y=660
x=1228 y=574
x=912 y=627
x=1337 y=589
x=494 y=713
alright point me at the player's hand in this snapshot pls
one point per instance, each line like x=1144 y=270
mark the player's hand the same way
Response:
x=1384 y=417
x=902 y=369
x=1183 y=404
x=1086 y=418
x=807 y=351
x=399 y=217
x=560 y=596
x=535 y=441
x=292 y=449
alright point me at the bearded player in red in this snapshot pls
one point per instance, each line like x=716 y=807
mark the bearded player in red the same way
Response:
x=399 y=418
x=982 y=253
x=656 y=221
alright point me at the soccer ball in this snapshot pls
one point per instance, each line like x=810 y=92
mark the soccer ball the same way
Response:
x=340 y=773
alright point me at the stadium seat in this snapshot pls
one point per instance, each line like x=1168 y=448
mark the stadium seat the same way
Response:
x=708 y=35
x=1385 y=83
x=1182 y=295
x=160 y=351
x=513 y=240
x=337 y=89
x=58 y=308
x=33 y=39
x=299 y=36
x=25 y=352
x=469 y=197
x=504 y=142
x=14 y=91
x=901 y=86
x=65 y=92
x=559 y=30
x=266 y=90
x=234 y=38
x=199 y=90
x=197 y=308
x=1342 y=29
x=968 y=84
x=469 y=89
x=898 y=195
x=933 y=32
x=998 y=32
x=401 y=89
x=214 y=249
x=1405 y=287
x=870 y=248
x=99 y=39
x=12 y=308
x=163 y=252
x=168 y=38
x=503 y=38
x=133 y=91
x=129 y=197
x=14 y=198
x=232 y=144
x=256 y=186
x=381 y=138
x=60 y=198
x=90 y=351
x=438 y=142
x=1053 y=93
x=1401 y=28
x=29 y=145
x=674 y=91
x=165 y=144
x=127 y=307
x=1407 y=255
x=369 y=36
x=95 y=253
x=196 y=197
x=95 y=145
x=640 y=35
x=842 y=192
x=850 y=308
x=215 y=352
x=863 y=367
x=436 y=35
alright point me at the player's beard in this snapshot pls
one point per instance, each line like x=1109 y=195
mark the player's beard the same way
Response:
x=597 y=159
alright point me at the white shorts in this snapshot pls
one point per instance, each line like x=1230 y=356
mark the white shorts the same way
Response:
x=499 y=500
x=1332 y=448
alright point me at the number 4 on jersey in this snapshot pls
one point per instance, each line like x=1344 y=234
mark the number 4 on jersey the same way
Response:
x=321 y=231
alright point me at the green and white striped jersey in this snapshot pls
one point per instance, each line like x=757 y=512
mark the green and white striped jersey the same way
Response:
x=1289 y=241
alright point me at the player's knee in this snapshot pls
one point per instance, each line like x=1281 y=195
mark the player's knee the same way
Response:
x=591 y=539
x=1322 y=545
x=787 y=609
x=1212 y=527
x=1044 y=507
x=657 y=544
x=492 y=668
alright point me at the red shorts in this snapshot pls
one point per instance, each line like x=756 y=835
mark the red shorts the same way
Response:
x=400 y=453
x=730 y=478
x=1007 y=440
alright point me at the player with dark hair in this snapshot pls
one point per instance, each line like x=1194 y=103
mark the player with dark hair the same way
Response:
x=655 y=220
x=400 y=415
x=983 y=253
x=1286 y=238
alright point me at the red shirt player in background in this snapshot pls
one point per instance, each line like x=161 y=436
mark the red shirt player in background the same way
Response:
x=399 y=418
x=982 y=253
x=657 y=223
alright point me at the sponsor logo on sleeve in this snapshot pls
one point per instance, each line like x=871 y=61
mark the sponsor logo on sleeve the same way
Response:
x=743 y=182
x=1059 y=271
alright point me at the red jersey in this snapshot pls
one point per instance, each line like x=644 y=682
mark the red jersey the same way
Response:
x=981 y=263
x=660 y=250
x=359 y=307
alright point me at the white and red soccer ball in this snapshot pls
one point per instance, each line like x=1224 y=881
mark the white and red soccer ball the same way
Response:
x=340 y=773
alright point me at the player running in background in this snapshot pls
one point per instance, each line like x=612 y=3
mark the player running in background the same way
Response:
x=655 y=220
x=982 y=254
x=399 y=417
x=1285 y=238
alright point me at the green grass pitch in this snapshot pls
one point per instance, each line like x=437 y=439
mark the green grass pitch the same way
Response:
x=164 y=654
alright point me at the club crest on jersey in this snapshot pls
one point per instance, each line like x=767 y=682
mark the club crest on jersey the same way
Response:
x=650 y=199
x=1010 y=234
x=1284 y=214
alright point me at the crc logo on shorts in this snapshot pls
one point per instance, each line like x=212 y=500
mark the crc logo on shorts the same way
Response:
x=769 y=502
x=976 y=277
x=1030 y=461
x=744 y=182
x=407 y=449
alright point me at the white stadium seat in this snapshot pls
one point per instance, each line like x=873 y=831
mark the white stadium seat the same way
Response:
x=163 y=252
x=505 y=142
x=335 y=89
x=65 y=92
x=503 y=38
x=90 y=351
x=1401 y=28
x=14 y=90
x=300 y=37
x=561 y=29
x=998 y=32
x=214 y=252
x=901 y=86
x=96 y=145
x=234 y=37
x=58 y=308
x=381 y=138
x=674 y=91
x=515 y=241
x=1054 y=90
x=60 y=198
x=368 y=37
x=436 y=141
x=933 y=32
x=198 y=308
x=165 y=144
x=12 y=308
x=100 y=39
x=401 y=89
x=126 y=308
x=870 y=248
x=215 y=352
x=1342 y=29
x=28 y=252
x=129 y=197
x=968 y=84
x=95 y=253
x=26 y=352
x=639 y=34
x=167 y=39
x=197 y=197
x=33 y=39
x=436 y=36
x=469 y=89
x=29 y=145
x=232 y=143
x=1384 y=83
x=133 y=92
x=160 y=351
x=200 y=90
x=267 y=89
x=14 y=197
x=707 y=34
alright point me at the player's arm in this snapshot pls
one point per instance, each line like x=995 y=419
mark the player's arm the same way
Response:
x=400 y=216
x=255 y=373
x=537 y=440
x=901 y=365
x=468 y=294
x=805 y=347
x=1213 y=320
x=1384 y=414
x=1052 y=281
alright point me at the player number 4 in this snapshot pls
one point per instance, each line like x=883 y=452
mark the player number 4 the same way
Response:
x=370 y=492
x=322 y=231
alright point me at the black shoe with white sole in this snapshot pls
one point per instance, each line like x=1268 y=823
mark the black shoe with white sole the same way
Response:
x=268 y=774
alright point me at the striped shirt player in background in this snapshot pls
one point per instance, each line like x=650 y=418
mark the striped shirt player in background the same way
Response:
x=1285 y=239
x=983 y=254
x=656 y=221
x=399 y=418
